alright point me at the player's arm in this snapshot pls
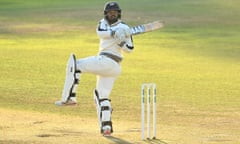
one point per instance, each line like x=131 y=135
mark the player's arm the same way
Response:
x=103 y=31
x=127 y=45
x=124 y=39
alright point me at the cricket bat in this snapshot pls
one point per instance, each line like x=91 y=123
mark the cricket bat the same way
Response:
x=146 y=27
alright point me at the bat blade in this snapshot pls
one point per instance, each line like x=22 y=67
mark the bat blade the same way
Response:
x=146 y=27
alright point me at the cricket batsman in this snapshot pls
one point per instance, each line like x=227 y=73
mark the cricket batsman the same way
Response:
x=115 y=38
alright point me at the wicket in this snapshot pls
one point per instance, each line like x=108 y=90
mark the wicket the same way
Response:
x=148 y=87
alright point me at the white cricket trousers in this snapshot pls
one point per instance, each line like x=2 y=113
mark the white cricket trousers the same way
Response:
x=106 y=70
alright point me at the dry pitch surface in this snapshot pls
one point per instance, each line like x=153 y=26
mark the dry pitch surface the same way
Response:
x=22 y=127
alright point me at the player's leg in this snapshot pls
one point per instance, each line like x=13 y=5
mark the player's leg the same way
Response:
x=104 y=111
x=71 y=83
x=94 y=64
x=103 y=103
x=99 y=65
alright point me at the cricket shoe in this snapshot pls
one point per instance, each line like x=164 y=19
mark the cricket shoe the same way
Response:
x=70 y=102
x=106 y=131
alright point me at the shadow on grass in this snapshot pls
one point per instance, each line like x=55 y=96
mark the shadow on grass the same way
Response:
x=117 y=140
x=121 y=141
x=154 y=141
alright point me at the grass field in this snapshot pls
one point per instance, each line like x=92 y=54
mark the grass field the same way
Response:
x=194 y=60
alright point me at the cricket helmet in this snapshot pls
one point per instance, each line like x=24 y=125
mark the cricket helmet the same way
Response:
x=112 y=6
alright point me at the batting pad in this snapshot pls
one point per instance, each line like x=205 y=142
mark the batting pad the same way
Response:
x=70 y=78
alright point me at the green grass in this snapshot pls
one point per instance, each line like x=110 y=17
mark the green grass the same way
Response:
x=194 y=59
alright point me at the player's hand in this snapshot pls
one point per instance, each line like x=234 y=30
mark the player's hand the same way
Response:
x=123 y=31
x=128 y=32
x=121 y=44
x=121 y=34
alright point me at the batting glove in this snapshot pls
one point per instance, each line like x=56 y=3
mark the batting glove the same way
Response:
x=120 y=35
